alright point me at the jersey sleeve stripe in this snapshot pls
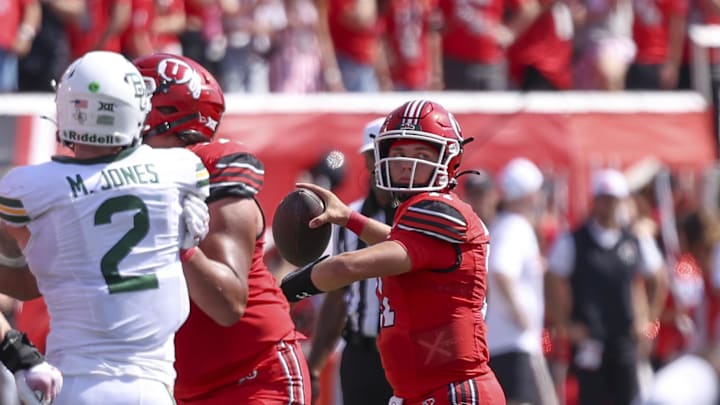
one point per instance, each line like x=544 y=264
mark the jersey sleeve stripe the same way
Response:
x=247 y=187
x=254 y=177
x=15 y=219
x=238 y=165
x=12 y=210
x=459 y=220
x=430 y=233
x=202 y=183
x=202 y=176
x=430 y=224
x=11 y=203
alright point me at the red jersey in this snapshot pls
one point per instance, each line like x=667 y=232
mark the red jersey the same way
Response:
x=10 y=15
x=547 y=46
x=84 y=35
x=208 y=355
x=407 y=23
x=651 y=28
x=359 y=45
x=432 y=319
x=466 y=31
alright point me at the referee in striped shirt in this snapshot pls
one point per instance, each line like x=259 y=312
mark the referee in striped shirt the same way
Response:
x=353 y=313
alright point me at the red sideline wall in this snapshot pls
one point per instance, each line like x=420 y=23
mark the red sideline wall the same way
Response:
x=564 y=133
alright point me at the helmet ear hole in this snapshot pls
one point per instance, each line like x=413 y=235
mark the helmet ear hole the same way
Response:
x=166 y=110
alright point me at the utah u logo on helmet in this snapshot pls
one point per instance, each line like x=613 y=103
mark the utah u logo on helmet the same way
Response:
x=187 y=100
x=175 y=71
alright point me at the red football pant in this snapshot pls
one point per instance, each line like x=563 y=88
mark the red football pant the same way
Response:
x=280 y=379
x=481 y=390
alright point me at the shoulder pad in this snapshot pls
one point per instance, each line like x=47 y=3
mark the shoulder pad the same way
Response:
x=233 y=170
x=436 y=218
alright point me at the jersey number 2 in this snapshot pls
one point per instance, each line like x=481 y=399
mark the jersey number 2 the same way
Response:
x=109 y=263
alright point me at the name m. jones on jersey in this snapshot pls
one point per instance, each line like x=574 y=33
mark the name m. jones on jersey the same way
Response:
x=115 y=178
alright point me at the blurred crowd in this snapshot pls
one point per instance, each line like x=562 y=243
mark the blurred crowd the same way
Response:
x=650 y=350
x=304 y=46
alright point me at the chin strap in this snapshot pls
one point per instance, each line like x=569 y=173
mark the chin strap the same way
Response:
x=167 y=126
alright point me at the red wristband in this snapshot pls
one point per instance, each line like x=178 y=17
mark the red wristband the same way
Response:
x=187 y=254
x=356 y=222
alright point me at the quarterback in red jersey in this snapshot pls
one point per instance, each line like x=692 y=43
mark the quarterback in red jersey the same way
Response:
x=239 y=343
x=432 y=264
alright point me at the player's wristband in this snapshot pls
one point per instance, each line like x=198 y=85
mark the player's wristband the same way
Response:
x=187 y=254
x=298 y=284
x=356 y=222
x=17 y=353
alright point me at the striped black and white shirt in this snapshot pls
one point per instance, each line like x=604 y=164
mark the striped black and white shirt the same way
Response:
x=361 y=297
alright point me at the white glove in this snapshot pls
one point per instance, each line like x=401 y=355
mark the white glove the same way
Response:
x=197 y=221
x=38 y=385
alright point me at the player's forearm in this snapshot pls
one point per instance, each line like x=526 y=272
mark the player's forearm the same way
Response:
x=559 y=301
x=216 y=289
x=18 y=283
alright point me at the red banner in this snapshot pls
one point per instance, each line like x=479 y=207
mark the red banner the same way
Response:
x=566 y=134
x=566 y=144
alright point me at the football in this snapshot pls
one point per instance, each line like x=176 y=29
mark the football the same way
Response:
x=296 y=242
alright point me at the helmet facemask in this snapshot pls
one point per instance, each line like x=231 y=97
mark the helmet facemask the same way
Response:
x=438 y=179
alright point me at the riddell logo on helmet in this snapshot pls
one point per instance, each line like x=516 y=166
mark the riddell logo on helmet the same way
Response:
x=178 y=72
x=72 y=136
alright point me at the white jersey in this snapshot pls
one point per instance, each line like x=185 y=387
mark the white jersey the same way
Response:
x=514 y=253
x=104 y=248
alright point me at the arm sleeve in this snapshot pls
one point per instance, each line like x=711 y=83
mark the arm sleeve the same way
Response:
x=425 y=252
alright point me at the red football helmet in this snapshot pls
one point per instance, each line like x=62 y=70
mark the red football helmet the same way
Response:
x=187 y=101
x=425 y=121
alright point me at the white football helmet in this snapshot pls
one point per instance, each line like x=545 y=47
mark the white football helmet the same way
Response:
x=101 y=100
